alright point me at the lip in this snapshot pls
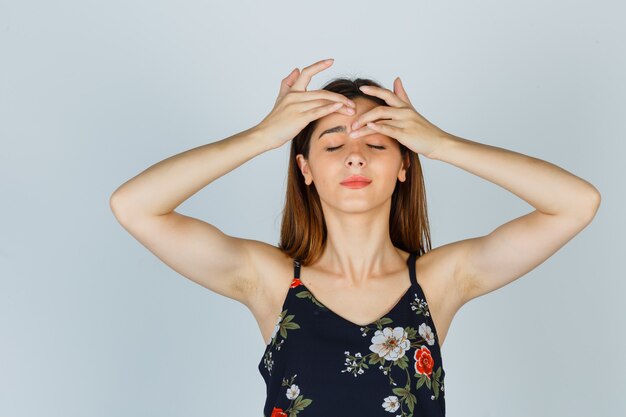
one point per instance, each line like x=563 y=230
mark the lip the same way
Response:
x=356 y=179
x=355 y=184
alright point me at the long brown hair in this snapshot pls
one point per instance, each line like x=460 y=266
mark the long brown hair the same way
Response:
x=303 y=229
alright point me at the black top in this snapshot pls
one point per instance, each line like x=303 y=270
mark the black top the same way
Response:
x=319 y=364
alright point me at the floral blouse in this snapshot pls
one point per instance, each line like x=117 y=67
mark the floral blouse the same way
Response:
x=319 y=364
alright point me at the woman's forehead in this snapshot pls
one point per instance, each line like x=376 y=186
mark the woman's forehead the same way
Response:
x=341 y=121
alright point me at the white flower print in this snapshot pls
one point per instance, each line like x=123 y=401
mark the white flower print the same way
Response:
x=390 y=344
x=426 y=332
x=391 y=403
x=420 y=306
x=293 y=392
x=268 y=361
x=284 y=323
x=354 y=367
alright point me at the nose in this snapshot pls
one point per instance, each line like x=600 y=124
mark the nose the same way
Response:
x=355 y=158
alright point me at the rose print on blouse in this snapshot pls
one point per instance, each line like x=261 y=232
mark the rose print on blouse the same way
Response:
x=389 y=347
x=298 y=402
x=424 y=364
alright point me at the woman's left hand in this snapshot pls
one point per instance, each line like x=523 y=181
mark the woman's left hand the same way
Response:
x=399 y=121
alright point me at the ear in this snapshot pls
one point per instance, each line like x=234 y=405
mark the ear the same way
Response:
x=406 y=163
x=304 y=168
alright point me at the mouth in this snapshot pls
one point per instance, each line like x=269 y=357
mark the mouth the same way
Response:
x=356 y=179
x=355 y=184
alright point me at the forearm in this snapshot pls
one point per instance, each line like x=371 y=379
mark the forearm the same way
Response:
x=545 y=186
x=165 y=185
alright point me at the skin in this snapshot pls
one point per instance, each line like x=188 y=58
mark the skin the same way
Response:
x=358 y=249
x=357 y=220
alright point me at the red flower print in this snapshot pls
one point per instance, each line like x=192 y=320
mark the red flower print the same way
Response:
x=278 y=412
x=424 y=361
x=296 y=282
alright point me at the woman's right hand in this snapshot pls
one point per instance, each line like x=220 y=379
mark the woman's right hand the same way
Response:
x=295 y=107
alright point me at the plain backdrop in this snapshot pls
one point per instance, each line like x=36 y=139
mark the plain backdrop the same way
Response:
x=93 y=92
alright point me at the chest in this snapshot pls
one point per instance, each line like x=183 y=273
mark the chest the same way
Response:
x=360 y=306
x=357 y=348
x=355 y=306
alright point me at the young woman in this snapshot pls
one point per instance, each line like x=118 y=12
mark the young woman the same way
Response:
x=353 y=304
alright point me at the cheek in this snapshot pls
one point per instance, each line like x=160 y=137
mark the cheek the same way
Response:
x=321 y=170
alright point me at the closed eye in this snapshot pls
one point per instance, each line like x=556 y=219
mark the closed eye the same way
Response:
x=337 y=147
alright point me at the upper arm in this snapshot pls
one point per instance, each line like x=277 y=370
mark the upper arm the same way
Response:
x=199 y=251
x=513 y=249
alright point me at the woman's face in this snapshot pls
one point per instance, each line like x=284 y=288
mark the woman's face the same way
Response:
x=334 y=155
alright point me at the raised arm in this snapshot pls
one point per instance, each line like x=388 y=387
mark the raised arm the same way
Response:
x=144 y=205
x=564 y=203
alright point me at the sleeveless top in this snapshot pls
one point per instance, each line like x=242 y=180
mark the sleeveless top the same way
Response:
x=319 y=364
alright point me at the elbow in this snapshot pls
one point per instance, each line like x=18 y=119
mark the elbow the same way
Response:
x=594 y=199
x=117 y=207
x=114 y=205
x=591 y=205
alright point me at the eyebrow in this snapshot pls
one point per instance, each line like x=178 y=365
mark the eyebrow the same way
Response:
x=333 y=130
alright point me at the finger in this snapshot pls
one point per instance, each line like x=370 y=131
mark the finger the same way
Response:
x=324 y=94
x=385 y=128
x=308 y=72
x=399 y=90
x=348 y=111
x=321 y=111
x=288 y=81
x=389 y=97
x=311 y=104
x=370 y=128
x=380 y=112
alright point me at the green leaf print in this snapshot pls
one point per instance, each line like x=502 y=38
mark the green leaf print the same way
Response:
x=308 y=294
x=287 y=324
x=403 y=362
